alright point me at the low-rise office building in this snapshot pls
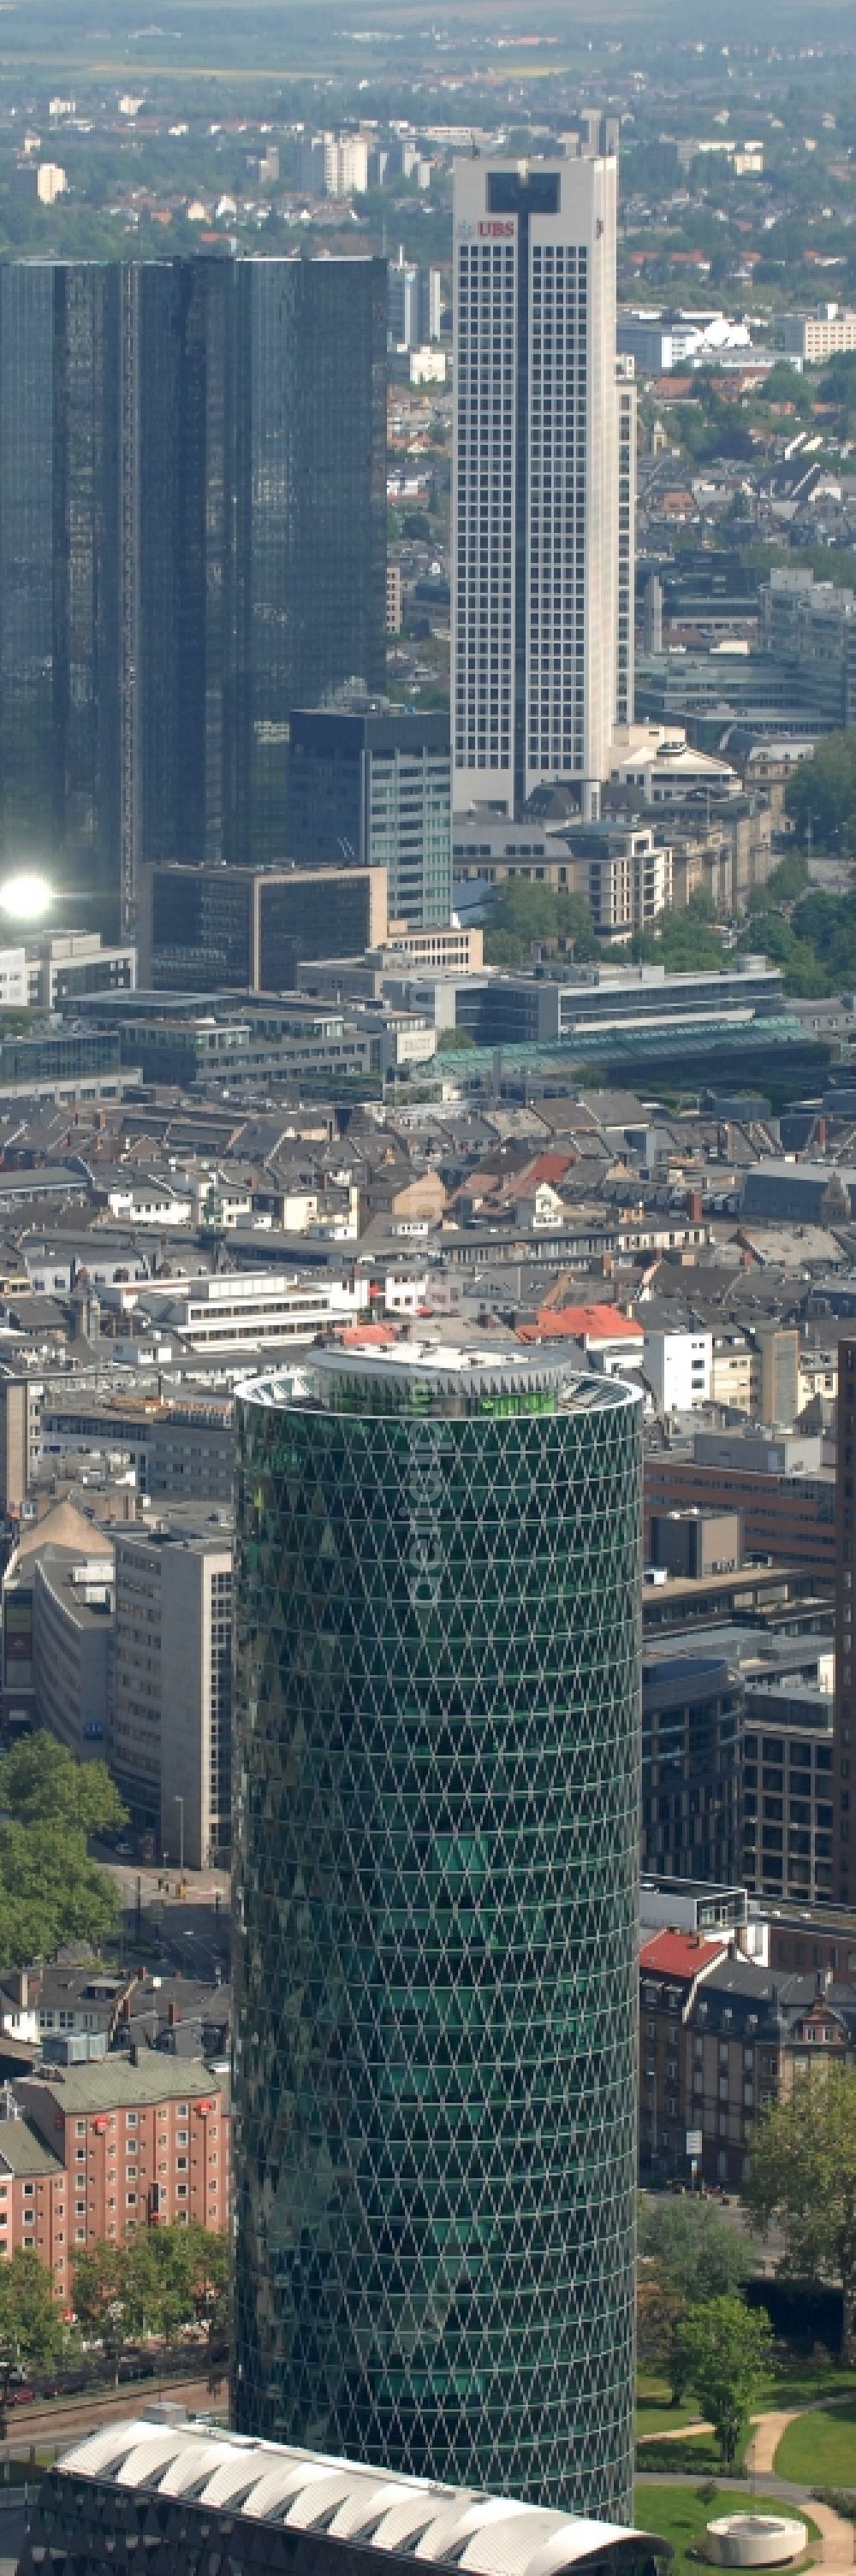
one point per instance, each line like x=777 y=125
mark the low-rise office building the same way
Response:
x=782 y=1487
x=187 y=2488
x=73 y=1645
x=212 y=929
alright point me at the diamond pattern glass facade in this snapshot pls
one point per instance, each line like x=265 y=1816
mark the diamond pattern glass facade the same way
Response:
x=437 y=1799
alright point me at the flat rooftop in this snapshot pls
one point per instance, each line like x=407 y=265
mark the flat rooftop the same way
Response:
x=429 y=1377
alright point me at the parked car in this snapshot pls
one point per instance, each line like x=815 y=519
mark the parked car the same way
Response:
x=136 y=2365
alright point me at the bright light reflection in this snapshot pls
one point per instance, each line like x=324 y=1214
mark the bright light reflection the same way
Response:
x=26 y=897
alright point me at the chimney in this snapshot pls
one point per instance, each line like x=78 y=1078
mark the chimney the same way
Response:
x=694 y=1206
x=172 y=2015
x=126 y=2007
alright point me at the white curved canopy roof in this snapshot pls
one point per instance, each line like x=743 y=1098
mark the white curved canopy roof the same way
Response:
x=304 y=2491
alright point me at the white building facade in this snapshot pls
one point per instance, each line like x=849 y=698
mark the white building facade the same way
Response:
x=535 y=518
x=678 y=1369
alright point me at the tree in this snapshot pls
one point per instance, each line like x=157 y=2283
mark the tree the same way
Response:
x=724 y=2351
x=786 y=882
x=41 y=1783
x=803 y=2173
x=161 y=2279
x=523 y=910
x=693 y=2247
x=31 y=2325
x=659 y=2309
x=50 y=1890
x=101 y=2297
x=684 y=942
x=821 y=795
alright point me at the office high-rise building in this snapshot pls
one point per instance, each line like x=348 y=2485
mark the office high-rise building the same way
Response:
x=311 y=535
x=536 y=671
x=437 y=1752
x=192 y=537
x=370 y=783
x=414 y=303
x=59 y=584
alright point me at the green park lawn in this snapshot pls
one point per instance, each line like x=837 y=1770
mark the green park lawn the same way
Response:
x=796 y=2382
x=654 y=2410
x=677 y=2514
x=820 y=2450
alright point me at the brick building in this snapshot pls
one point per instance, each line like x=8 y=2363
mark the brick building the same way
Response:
x=100 y=2149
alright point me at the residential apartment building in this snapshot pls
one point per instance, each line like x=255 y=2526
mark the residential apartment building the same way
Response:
x=721 y=2037
x=671 y=1967
x=623 y=874
x=110 y=2147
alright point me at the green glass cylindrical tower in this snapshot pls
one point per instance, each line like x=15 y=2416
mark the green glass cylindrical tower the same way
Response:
x=436 y=1906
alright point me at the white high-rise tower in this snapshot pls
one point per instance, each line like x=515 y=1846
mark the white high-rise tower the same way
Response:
x=539 y=560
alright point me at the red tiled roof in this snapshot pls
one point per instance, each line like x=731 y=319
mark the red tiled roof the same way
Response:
x=549 y=1167
x=376 y=1336
x=680 y=1954
x=582 y=1324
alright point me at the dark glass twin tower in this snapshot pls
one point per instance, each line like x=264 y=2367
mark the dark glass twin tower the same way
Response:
x=192 y=539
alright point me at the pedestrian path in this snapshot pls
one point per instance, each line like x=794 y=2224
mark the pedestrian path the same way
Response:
x=837 y=2535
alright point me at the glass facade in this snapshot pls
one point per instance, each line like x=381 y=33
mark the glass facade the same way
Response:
x=59 y=589
x=311 y=591
x=437 y=1758
x=373 y=785
x=192 y=535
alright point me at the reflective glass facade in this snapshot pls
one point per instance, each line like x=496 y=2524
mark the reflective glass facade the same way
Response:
x=192 y=536
x=311 y=511
x=436 y=1824
x=59 y=573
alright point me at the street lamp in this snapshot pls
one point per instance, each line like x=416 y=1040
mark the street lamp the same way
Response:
x=180 y=1805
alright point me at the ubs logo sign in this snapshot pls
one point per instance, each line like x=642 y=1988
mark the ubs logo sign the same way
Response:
x=431 y=1452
